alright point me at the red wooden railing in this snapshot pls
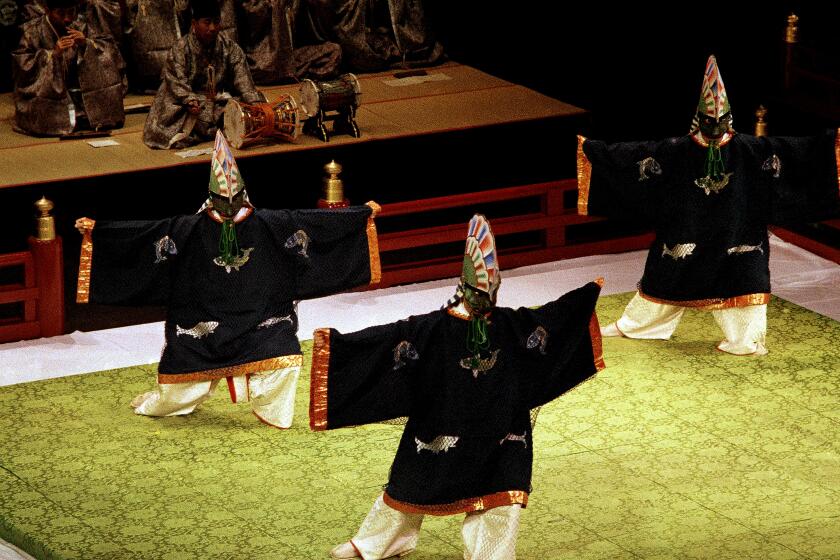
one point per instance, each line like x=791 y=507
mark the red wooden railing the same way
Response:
x=551 y=221
x=818 y=248
x=40 y=294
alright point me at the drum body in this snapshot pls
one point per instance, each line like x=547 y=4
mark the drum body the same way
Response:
x=334 y=95
x=246 y=124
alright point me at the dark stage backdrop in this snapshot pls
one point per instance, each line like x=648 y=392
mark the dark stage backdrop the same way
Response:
x=637 y=67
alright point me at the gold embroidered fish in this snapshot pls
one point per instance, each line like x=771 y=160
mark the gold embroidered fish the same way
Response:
x=538 y=338
x=680 y=250
x=648 y=166
x=271 y=321
x=515 y=437
x=744 y=249
x=236 y=262
x=710 y=185
x=479 y=365
x=205 y=328
x=163 y=246
x=774 y=165
x=299 y=239
x=440 y=443
x=404 y=349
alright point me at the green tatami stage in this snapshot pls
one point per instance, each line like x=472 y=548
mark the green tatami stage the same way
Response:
x=676 y=450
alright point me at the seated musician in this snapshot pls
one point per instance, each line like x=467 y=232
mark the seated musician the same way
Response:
x=67 y=75
x=377 y=34
x=203 y=70
x=281 y=44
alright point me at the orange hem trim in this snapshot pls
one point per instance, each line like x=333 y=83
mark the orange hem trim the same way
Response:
x=584 y=178
x=479 y=503
x=595 y=335
x=292 y=360
x=373 y=244
x=318 y=380
x=715 y=303
x=85 y=262
x=837 y=157
x=597 y=345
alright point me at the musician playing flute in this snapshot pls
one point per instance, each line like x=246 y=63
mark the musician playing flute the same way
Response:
x=67 y=75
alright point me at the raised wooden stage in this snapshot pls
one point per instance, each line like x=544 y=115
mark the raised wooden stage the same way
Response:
x=461 y=131
x=455 y=98
x=466 y=139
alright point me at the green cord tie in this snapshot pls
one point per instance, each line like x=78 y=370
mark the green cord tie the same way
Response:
x=714 y=161
x=228 y=245
x=477 y=339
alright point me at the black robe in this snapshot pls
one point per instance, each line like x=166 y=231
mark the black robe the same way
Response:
x=229 y=320
x=711 y=249
x=42 y=97
x=467 y=443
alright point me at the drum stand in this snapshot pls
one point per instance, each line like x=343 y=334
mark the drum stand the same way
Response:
x=344 y=122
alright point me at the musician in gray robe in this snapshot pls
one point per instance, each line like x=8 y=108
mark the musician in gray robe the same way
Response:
x=154 y=26
x=67 y=75
x=280 y=42
x=204 y=69
x=377 y=35
x=104 y=16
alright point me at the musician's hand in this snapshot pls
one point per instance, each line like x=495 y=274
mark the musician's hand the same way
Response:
x=77 y=36
x=193 y=107
x=63 y=43
x=84 y=225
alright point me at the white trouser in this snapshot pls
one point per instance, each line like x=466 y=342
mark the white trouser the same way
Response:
x=488 y=535
x=271 y=394
x=745 y=328
x=8 y=551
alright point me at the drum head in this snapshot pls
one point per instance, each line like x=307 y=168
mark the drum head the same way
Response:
x=309 y=97
x=234 y=124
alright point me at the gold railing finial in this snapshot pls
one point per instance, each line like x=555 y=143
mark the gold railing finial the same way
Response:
x=761 y=121
x=792 y=29
x=46 y=223
x=333 y=191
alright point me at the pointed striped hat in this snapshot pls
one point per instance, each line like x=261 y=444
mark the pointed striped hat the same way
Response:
x=481 y=268
x=713 y=99
x=225 y=179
